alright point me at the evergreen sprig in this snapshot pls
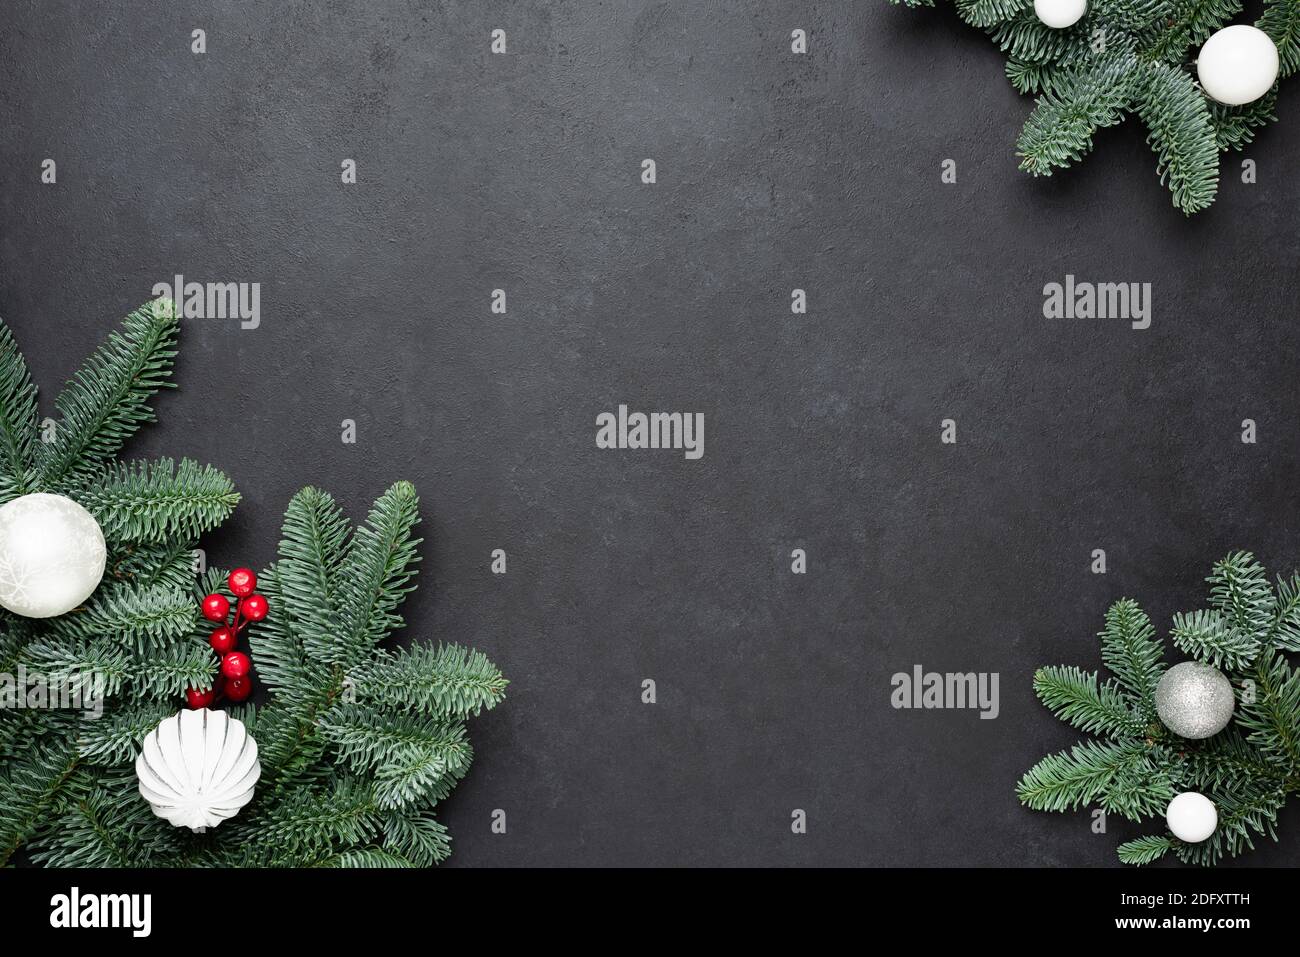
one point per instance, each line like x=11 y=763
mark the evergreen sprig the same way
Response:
x=18 y=418
x=152 y=502
x=1130 y=57
x=107 y=400
x=358 y=742
x=133 y=641
x=1248 y=770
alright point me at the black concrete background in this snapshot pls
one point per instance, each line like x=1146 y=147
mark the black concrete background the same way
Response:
x=775 y=171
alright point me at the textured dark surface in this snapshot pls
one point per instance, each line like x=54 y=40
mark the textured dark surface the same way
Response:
x=775 y=171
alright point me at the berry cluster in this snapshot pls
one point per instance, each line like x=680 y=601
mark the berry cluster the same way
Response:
x=234 y=681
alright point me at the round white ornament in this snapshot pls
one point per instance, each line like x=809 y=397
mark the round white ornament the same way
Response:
x=198 y=768
x=1191 y=817
x=1238 y=64
x=1059 y=14
x=51 y=555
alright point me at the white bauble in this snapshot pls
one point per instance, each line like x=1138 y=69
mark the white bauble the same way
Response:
x=1059 y=14
x=1238 y=64
x=51 y=555
x=198 y=768
x=1191 y=817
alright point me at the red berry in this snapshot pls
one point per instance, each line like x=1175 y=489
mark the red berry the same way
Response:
x=222 y=639
x=242 y=581
x=216 y=607
x=254 y=607
x=199 y=699
x=235 y=665
x=237 y=689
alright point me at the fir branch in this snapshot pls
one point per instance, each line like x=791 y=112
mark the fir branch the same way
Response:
x=1081 y=101
x=375 y=577
x=365 y=857
x=313 y=548
x=168 y=672
x=406 y=754
x=1074 y=696
x=1241 y=817
x=343 y=784
x=1029 y=40
x=1210 y=637
x=303 y=825
x=110 y=826
x=417 y=838
x=281 y=662
x=1281 y=21
x=1134 y=16
x=1190 y=24
x=986 y=13
x=448 y=680
x=1068 y=780
x=108 y=399
x=115 y=738
x=145 y=618
x=15 y=635
x=1234 y=126
x=1032 y=77
x=18 y=419
x=1203 y=17
x=1141 y=788
x=103 y=658
x=1272 y=719
x=30 y=788
x=1179 y=132
x=1247 y=770
x=154 y=502
x=1239 y=589
x=1130 y=651
x=170 y=565
x=1227 y=761
x=1145 y=850
x=1284 y=632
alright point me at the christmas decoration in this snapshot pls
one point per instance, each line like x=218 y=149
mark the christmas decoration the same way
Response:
x=1122 y=57
x=241 y=582
x=1245 y=772
x=216 y=607
x=235 y=665
x=51 y=555
x=238 y=689
x=253 y=607
x=357 y=743
x=1059 y=14
x=200 y=699
x=1238 y=65
x=1191 y=817
x=198 y=768
x=139 y=630
x=233 y=681
x=1194 y=700
x=222 y=639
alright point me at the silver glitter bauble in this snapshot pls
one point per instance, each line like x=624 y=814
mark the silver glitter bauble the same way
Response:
x=1194 y=700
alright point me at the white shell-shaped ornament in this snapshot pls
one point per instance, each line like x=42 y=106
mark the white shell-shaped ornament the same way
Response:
x=198 y=768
